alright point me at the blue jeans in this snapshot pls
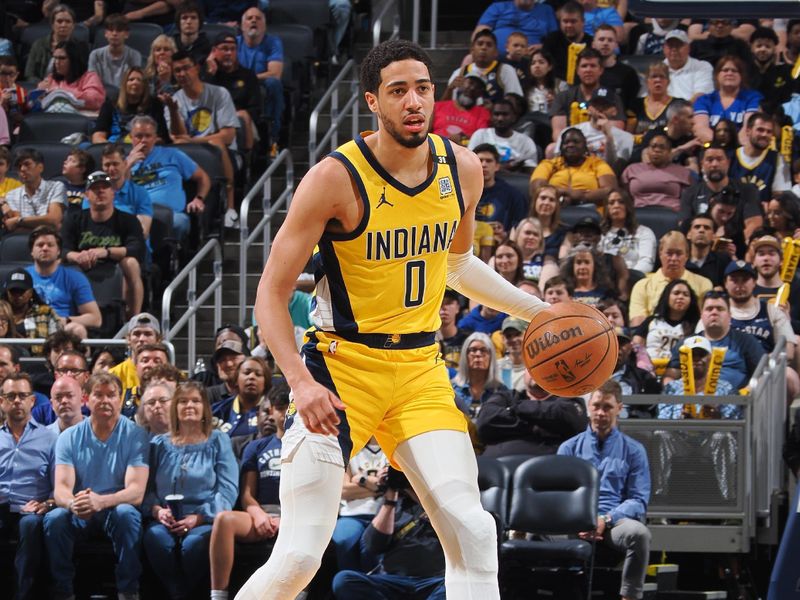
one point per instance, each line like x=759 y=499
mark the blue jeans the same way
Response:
x=181 y=223
x=179 y=562
x=28 y=529
x=350 y=552
x=121 y=524
x=340 y=15
x=352 y=585
x=273 y=106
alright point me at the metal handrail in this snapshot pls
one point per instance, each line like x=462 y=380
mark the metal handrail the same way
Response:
x=378 y=23
x=87 y=342
x=193 y=301
x=337 y=116
x=434 y=23
x=248 y=237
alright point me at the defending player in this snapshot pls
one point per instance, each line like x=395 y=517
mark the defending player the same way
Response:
x=393 y=215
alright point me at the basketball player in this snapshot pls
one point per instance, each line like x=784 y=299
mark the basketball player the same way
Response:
x=392 y=213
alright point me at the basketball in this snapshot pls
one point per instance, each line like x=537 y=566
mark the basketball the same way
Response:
x=570 y=349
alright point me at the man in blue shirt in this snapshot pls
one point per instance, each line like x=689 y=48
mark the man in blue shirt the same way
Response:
x=67 y=291
x=263 y=54
x=161 y=171
x=100 y=478
x=534 y=19
x=624 y=485
x=26 y=460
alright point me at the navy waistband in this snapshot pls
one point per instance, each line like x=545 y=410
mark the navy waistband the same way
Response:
x=390 y=341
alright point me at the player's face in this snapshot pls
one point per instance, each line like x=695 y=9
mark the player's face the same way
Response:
x=763 y=49
x=767 y=261
x=556 y=294
x=740 y=286
x=404 y=102
x=679 y=298
x=603 y=412
x=760 y=134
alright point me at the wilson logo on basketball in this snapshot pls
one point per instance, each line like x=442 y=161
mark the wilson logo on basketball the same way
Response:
x=548 y=339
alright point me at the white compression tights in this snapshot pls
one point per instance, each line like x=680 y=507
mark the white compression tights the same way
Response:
x=440 y=466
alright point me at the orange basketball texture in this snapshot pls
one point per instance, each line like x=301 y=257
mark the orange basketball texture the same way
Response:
x=570 y=349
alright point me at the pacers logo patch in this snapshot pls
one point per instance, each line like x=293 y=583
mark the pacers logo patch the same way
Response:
x=445 y=187
x=290 y=412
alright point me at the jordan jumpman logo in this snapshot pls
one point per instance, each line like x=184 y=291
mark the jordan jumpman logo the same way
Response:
x=382 y=200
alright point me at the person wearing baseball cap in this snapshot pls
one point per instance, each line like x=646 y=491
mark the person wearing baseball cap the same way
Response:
x=511 y=367
x=223 y=69
x=760 y=318
x=103 y=237
x=32 y=317
x=767 y=252
x=688 y=77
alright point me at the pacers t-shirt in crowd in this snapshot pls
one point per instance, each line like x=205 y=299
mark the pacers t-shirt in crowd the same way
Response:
x=64 y=291
x=263 y=456
x=208 y=113
x=162 y=174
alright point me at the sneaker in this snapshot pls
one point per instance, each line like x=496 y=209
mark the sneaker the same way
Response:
x=231 y=219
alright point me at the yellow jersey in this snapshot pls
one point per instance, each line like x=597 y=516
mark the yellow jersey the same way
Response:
x=388 y=276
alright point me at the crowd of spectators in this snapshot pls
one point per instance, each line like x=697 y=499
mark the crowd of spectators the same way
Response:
x=175 y=472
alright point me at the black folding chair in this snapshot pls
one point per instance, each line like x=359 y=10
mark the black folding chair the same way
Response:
x=552 y=495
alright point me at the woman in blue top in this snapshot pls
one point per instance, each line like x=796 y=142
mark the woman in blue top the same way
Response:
x=731 y=100
x=478 y=376
x=198 y=463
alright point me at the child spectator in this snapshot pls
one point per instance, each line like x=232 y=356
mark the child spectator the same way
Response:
x=112 y=61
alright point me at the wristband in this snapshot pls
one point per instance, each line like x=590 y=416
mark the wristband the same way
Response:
x=391 y=503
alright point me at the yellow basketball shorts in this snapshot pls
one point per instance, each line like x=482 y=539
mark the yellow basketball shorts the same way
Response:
x=393 y=392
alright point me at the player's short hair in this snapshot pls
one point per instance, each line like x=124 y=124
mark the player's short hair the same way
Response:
x=384 y=54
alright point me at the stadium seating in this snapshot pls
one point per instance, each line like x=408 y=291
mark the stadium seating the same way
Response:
x=51 y=127
x=14 y=248
x=494 y=481
x=659 y=219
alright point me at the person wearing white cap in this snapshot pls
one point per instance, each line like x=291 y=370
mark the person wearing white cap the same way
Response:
x=688 y=77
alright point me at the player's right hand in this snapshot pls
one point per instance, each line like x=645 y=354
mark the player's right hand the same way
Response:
x=316 y=405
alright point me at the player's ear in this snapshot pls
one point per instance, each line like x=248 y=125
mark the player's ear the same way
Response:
x=372 y=101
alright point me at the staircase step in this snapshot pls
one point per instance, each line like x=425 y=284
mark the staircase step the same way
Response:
x=688 y=595
x=664 y=575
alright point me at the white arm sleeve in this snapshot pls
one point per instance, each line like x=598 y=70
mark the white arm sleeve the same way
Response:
x=469 y=275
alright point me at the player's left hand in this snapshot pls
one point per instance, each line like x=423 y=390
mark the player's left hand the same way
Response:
x=317 y=406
